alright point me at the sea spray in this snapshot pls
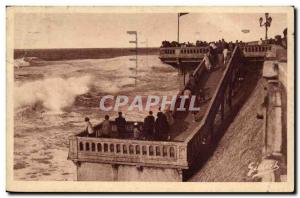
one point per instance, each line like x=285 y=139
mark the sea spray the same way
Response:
x=21 y=63
x=53 y=93
x=35 y=125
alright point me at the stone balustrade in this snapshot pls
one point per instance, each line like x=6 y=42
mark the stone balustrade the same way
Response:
x=199 y=52
x=256 y=50
x=126 y=151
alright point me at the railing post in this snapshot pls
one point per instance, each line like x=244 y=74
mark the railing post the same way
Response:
x=73 y=152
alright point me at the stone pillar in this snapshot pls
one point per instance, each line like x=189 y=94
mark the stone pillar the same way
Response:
x=276 y=100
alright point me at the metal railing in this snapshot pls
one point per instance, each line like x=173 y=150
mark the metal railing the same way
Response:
x=199 y=70
x=204 y=132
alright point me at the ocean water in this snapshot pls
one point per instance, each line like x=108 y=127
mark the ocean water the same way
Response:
x=53 y=97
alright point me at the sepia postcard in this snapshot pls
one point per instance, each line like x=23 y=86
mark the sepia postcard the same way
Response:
x=150 y=99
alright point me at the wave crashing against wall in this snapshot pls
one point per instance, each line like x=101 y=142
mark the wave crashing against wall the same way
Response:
x=53 y=93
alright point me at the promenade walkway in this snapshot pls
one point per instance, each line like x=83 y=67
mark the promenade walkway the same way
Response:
x=185 y=122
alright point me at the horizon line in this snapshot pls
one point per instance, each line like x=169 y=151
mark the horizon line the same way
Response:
x=83 y=48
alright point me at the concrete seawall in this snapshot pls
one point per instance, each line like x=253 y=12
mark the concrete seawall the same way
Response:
x=112 y=172
x=240 y=145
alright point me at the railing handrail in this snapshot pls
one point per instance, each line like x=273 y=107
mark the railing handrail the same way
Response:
x=241 y=46
x=256 y=45
x=213 y=100
x=199 y=67
x=133 y=141
x=189 y=47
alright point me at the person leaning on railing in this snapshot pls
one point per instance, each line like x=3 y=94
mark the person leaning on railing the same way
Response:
x=148 y=127
x=170 y=44
x=191 y=84
x=89 y=128
x=106 y=127
x=121 y=125
x=136 y=131
x=161 y=126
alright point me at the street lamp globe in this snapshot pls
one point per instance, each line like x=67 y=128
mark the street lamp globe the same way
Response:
x=267 y=15
x=269 y=21
x=265 y=24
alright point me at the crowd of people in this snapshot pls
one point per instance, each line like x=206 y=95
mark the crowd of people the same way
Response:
x=277 y=40
x=221 y=47
x=200 y=43
x=152 y=129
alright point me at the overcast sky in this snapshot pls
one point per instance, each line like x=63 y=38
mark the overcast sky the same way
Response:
x=79 y=30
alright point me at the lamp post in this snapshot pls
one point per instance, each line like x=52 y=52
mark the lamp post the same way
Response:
x=267 y=23
x=136 y=52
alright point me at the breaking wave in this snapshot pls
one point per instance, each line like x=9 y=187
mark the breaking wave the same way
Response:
x=53 y=93
x=21 y=63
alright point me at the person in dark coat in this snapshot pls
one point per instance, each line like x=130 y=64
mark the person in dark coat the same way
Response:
x=106 y=127
x=89 y=128
x=148 y=127
x=121 y=124
x=161 y=126
x=192 y=82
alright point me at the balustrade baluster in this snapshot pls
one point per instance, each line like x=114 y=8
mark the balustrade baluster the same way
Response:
x=144 y=150
x=84 y=146
x=133 y=149
x=115 y=148
x=157 y=151
x=168 y=151
x=148 y=150
x=137 y=149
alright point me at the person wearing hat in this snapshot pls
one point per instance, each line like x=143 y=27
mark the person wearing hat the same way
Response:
x=169 y=116
x=148 y=127
x=89 y=127
x=121 y=124
x=161 y=127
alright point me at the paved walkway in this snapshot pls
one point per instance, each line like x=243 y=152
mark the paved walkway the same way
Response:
x=184 y=123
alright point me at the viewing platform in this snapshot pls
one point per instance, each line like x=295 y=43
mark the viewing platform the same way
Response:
x=194 y=55
x=123 y=158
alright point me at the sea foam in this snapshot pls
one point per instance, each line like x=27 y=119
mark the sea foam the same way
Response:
x=53 y=93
